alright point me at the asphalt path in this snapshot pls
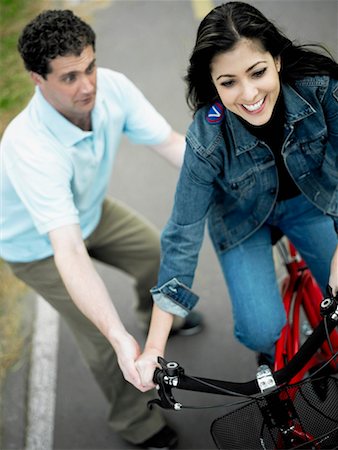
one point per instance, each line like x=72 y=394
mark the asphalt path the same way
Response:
x=150 y=42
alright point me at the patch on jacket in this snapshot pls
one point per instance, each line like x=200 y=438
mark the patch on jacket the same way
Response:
x=215 y=113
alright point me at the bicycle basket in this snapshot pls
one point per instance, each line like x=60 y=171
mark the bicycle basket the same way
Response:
x=309 y=408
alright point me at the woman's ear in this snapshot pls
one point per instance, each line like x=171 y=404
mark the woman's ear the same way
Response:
x=278 y=63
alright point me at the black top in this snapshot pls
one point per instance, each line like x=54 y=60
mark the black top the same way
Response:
x=272 y=133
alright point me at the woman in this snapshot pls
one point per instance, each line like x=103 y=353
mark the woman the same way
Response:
x=261 y=156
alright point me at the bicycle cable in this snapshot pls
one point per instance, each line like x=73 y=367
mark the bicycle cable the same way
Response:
x=334 y=356
x=220 y=389
x=247 y=396
x=221 y=405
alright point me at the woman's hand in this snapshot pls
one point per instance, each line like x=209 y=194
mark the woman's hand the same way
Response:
x=146 y=364
x=333 y=280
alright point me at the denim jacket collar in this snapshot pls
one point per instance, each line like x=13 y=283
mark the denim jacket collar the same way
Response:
x=296 y=108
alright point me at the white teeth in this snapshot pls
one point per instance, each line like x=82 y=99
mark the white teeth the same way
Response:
x=255 y=106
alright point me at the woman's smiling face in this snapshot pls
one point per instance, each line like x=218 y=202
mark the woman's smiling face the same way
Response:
x=247 y=81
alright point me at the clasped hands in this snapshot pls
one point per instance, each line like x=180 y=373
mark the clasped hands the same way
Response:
x=137 y=367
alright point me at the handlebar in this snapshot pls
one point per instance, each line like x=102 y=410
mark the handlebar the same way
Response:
x=171 y=375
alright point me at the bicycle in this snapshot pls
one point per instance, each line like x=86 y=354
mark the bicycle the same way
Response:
x=282 y=409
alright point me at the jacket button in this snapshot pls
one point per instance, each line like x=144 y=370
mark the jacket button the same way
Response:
x=273 y=191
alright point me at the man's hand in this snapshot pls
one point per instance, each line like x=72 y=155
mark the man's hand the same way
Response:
x=127 y=351
x=146 y=365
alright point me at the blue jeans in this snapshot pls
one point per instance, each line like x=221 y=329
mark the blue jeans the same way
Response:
x=249 y=270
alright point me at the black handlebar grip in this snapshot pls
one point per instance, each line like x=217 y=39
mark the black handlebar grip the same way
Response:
x=156 y=376
x=329 y=292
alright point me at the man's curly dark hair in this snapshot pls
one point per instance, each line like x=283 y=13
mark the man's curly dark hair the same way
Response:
x=51 y=34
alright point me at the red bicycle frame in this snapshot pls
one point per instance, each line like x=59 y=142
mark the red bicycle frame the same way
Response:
x=299 y=289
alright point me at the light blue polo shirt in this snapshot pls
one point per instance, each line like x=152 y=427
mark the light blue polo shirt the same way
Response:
x=55 y=174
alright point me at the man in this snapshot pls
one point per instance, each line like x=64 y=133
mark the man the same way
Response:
x=57 y=156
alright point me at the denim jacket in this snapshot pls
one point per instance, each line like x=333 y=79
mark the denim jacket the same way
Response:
x=229 y=178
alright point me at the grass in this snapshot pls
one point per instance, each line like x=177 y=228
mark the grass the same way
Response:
x=11 y=318
x=15 y=85
x=15 y=90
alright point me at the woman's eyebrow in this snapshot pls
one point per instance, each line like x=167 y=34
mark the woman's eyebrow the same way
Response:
x=248 y=70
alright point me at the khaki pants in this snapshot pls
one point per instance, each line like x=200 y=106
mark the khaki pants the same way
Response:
x=127 y=242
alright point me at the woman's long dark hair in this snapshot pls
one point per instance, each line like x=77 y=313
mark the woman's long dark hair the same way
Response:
x=224 y=26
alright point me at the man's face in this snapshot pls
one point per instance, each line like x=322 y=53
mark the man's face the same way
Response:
x=70 y=87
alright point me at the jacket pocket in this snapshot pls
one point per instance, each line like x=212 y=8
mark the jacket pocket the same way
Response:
x=314 y=151
x=237 y=187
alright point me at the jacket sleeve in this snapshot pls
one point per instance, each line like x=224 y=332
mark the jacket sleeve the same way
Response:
x=182 y=237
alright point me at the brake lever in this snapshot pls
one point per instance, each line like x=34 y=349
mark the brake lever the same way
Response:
x=166 y=378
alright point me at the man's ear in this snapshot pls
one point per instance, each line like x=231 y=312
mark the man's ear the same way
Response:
x=37 y=78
